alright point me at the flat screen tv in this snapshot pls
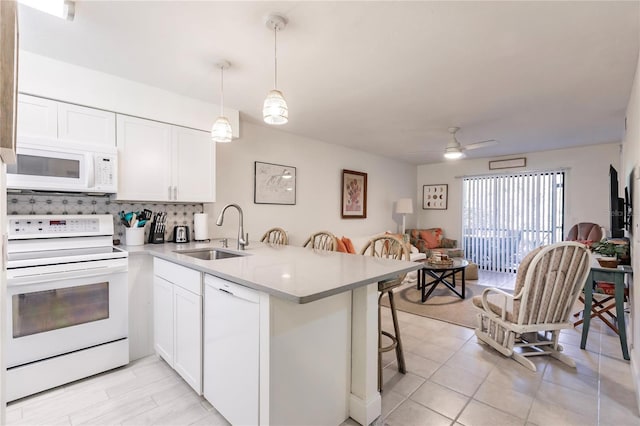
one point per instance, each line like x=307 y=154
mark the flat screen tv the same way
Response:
x=616 y=205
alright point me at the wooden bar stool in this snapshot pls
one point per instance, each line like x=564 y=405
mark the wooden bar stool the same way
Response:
x=275 y=236
x=323 y=240
x=393 y=248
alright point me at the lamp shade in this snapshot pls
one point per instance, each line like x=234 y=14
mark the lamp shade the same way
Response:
x=404 y=206
x=275 y=110
x=221 y=130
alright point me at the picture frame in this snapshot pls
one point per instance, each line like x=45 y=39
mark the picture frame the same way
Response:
x=274 y=184
x=353 y=195
x=435 y=197
x=508 y=164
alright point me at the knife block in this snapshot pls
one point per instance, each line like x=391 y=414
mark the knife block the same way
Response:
x=155 y=237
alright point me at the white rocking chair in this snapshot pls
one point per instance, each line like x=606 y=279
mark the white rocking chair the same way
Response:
x=528 y=323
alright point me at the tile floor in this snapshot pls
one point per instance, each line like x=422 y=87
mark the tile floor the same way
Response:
x=451 y=380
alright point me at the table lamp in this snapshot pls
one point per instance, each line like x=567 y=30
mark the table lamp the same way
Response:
x=404 y=206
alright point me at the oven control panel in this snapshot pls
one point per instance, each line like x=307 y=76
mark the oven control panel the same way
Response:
x=39 y=226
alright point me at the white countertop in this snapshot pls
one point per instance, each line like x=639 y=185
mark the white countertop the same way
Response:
x=293 y=273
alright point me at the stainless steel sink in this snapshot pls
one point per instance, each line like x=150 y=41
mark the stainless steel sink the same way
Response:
x=208 y=254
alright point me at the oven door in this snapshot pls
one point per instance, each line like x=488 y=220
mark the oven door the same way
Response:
x=50 y=169
x=59 y=312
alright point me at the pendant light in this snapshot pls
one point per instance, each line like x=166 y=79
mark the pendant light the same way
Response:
x=221 y=130
x=275 y=110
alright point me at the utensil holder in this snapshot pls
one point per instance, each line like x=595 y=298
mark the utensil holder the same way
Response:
x=134 y=236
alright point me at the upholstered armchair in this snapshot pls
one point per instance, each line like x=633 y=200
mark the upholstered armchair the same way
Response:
x=584 y=232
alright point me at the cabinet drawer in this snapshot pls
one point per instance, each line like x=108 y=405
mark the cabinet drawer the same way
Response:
x=187 y=278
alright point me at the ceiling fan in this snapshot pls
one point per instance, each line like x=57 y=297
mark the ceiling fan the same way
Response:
x=454 y=150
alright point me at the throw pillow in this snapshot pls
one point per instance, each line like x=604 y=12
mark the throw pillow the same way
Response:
x=432 y=237
x=342 y=248
x=348 y=245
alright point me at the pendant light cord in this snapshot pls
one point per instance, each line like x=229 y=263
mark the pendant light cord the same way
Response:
x=275 y=56
x=222 y=90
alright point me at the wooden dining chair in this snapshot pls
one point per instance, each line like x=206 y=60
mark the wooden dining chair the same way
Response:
x=390 y=247
x=275 y=236
x=323 y=240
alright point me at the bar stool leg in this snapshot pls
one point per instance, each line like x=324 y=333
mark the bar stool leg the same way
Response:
x=396 y=329
x=380 y=342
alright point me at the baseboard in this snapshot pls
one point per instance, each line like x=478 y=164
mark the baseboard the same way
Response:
x=635 y=375
x=365 y=412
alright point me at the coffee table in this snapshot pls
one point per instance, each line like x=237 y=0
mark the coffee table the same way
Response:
x=441 y=275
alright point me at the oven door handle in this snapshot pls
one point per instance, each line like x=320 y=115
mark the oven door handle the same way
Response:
x=59 y=276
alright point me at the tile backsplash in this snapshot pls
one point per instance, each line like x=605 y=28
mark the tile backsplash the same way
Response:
x=177 y=214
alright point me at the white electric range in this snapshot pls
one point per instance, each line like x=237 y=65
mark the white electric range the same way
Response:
x=67 y=301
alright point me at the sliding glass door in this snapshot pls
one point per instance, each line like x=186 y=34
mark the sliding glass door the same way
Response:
x=506 y=216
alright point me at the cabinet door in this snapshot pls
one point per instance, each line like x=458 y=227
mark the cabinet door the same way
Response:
x=144 y=159
x=194 y=171
x=163 y=318
x=232 y=350
x=37 y=117
x=188 y=337
x=86 y=125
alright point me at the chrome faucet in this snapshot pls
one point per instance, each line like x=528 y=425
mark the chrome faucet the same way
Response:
x=243 y=240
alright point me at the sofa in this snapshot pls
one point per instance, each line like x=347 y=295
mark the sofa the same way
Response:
x=431 y=240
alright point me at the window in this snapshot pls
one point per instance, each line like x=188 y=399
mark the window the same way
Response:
x=506 y=216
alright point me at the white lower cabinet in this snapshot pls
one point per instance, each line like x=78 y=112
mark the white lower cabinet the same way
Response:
x=232 y=350
x=177 y=307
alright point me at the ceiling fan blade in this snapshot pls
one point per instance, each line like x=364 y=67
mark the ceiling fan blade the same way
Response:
x=482 y=144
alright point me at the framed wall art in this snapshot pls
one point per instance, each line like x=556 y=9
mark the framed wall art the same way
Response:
x=274 y=184
x=434 y=197
x=354 y=195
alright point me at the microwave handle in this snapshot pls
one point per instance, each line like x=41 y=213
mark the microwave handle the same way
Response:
x=91 y=170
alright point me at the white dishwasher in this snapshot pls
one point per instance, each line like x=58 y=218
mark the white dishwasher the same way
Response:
x=231 y=350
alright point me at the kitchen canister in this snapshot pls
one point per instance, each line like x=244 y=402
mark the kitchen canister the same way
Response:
x=134 y=236
x=201 y=226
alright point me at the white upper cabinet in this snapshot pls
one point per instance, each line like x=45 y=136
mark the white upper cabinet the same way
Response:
x=194 y=166
x=87 y=125
x=37 y=117
x=162 y=162
x=144 y=159
x=40 y=117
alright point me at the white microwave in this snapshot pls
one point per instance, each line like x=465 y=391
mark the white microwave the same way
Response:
x=54 y=165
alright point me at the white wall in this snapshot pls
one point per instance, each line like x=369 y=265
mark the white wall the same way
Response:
x=630 y=175
x=46 y=77
x=586 y=184
x=318 y=167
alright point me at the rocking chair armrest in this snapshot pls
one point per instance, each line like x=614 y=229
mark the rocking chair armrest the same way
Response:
x=485 y=301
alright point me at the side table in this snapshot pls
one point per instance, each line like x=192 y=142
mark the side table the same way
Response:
x=616 y=276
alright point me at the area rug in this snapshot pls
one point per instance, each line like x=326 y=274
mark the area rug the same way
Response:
x=442 y=305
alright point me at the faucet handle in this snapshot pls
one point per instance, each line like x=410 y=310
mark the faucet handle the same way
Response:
x=225 y=242
x=246 y=239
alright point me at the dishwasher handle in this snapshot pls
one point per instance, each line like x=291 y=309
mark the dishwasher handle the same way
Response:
x=232 y=289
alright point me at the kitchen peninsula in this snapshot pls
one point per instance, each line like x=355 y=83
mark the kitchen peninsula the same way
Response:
x=315 y=338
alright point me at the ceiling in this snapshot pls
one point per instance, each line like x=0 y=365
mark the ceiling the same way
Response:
x=384 y=77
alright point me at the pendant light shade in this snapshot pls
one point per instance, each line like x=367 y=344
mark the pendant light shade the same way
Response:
x=221 y=130
x=275 y=110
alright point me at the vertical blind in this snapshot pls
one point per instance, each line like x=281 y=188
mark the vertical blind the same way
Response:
x=506 y=216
